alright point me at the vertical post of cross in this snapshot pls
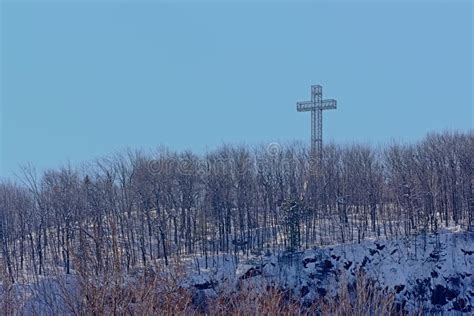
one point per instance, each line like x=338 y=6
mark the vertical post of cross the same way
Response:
x=316 y=107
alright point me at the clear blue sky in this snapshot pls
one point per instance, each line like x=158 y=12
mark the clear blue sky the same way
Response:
x=81 y=80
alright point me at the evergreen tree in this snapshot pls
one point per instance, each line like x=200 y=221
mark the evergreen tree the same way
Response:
x=292 y=211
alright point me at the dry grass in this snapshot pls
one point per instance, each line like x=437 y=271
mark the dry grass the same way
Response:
x=360 y=298
x=158 y=292
x=10 y=301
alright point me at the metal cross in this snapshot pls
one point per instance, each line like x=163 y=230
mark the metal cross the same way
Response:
x=316 y=106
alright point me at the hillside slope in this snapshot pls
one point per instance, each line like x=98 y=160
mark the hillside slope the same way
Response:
x=433 y=272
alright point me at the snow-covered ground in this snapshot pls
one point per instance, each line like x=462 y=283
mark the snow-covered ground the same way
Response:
x=432 y=272
x=428 y=272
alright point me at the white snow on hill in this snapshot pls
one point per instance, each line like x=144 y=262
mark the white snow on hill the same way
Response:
x=432 y=272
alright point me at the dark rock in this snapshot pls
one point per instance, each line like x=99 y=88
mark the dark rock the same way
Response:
x=393 y=251
x=434 y=256
x=467 y=252
x=321 y=291
x=422 y=288
x=252 y=272
x=399 y=288
x=306 y=261
x=205 y=286
x=336 y=257
x=347 y=265
x=365 y=261
x=373 y=251
x=304 y=290
x=379 y=246
x=461 y=305
x=456 y=281
x=451 y=294
x=438 y=296
x=327 y=265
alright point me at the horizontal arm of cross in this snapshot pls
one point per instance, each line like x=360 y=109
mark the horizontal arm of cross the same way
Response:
x=306 y=106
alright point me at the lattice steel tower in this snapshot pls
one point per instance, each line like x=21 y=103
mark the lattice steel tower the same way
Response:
x=316 y=106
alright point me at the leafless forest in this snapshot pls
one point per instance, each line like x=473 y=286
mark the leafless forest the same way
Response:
x=134 y=209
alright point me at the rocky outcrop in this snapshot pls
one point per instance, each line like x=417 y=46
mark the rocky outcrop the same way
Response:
x=436 y=271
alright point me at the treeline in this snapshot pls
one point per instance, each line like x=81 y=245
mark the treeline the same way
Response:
x=134 y=208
